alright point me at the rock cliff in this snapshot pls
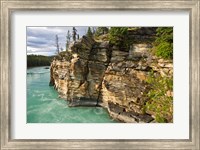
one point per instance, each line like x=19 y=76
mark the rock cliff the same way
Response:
x=95 y=73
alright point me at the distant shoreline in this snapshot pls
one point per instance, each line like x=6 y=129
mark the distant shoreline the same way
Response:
x=38 y=60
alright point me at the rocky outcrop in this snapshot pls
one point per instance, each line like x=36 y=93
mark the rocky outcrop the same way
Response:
x=79 y=80
x=100 y=75
x=124 y=85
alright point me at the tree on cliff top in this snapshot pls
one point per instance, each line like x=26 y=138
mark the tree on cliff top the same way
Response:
x=57 y=44
x=118 y=36
x=68 y=37
x=74 y=33
x=101 y=31
x=89 y=32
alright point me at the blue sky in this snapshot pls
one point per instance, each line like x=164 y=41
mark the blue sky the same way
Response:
x=41 y=40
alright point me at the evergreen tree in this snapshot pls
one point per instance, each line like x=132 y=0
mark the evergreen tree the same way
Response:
x=68 y=37
x=104 y=30
x=89 y=32
x=38 y=60
x=74 y=33
x=101 y=30
x=119 y=36
x=57 y=44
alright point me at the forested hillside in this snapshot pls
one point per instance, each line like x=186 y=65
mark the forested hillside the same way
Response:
x=38 y=60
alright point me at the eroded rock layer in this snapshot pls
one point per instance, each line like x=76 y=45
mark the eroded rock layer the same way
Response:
x=97 y=74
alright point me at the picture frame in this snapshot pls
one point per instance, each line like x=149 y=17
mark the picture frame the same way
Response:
x=8 y=7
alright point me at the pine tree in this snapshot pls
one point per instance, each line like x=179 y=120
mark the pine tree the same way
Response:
x=74 y=33
x=101 y=30
x=119 y=36
x=89 y=32
x=68 y=37
x=57 y=44
x=78 y=36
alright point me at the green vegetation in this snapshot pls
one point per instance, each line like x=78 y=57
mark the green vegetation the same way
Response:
x=164 y=43
x=101 y=31
x=89 y=32
x=118 y=36
x=68 y=38
x=74 y=33
x=38 y=60
x=57 y=44
x=160 y=102
x=160 y=96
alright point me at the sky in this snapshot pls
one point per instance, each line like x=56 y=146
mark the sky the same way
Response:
x=41 y=40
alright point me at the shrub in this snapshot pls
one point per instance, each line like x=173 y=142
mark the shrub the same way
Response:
x=165 y=50
x=159 y=103
x=164 y=42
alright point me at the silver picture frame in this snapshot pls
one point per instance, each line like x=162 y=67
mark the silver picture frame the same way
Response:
x=10 y=6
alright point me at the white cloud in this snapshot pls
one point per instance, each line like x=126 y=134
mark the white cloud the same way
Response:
x=41 y=40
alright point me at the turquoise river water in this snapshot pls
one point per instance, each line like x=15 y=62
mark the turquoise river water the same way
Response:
x=44 y=106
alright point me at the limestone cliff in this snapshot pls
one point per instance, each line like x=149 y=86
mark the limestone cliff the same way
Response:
x=95 y=73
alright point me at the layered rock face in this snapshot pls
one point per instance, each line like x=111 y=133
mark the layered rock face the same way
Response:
x=99 y=75
x=79 y=80
x=124 y=87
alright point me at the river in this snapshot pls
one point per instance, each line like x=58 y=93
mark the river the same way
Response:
x=44 y=106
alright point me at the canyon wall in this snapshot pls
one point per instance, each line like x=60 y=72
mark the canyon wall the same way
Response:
x=94 y=73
